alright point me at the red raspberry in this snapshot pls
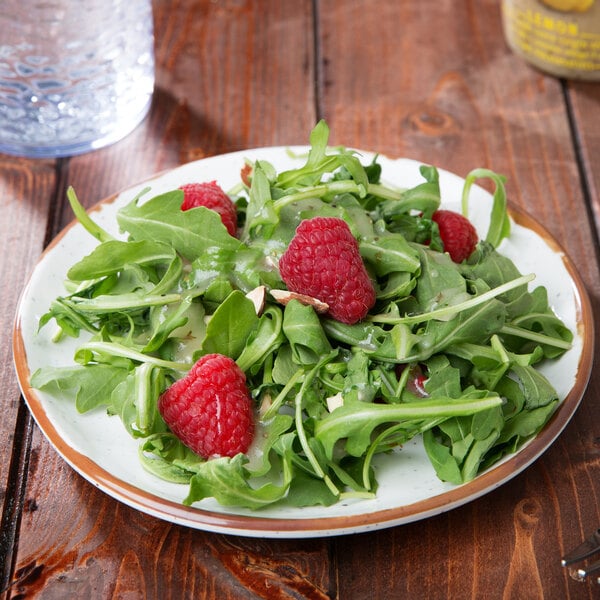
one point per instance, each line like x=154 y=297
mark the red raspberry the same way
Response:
x=458 y=234
x=210 y=409
x=211 y=196
x=323 y=261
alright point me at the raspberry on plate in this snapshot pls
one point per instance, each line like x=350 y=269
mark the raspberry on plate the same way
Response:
x=457 y=233
x=211 y=196
x=323 y=261
x=210 y=409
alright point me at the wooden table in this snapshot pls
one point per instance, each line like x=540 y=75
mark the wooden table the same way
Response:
x=431 y=80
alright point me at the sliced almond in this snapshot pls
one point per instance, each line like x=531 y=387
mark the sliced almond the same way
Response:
x=284 y=296
x=265 y=404
x=258 y=296
x=334 y=402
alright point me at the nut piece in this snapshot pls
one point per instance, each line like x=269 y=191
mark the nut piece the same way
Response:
x=334 y=402
x=258 y=296
x=284 y=296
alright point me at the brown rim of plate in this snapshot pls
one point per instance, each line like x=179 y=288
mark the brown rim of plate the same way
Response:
x=333 y=525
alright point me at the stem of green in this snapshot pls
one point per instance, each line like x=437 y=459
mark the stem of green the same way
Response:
x=499 y=227
x=449 y=311
x=83 y=217
x=312 y=459
x=540 y=338
x=318 y=191
x=143 y=378
x=410 y=411
x=124 y=352
x=272 y=410
x=108 y=303
x=382 y=191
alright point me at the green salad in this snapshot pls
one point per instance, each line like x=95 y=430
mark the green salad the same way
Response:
x=448 y=352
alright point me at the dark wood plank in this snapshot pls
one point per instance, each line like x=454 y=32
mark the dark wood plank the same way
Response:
x=432 y=81
x=585 y=99
x=440 y=86
x=26 y=194
x=76 y=542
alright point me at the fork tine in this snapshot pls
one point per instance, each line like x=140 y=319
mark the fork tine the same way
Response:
x=583 y=572
x=590 y=546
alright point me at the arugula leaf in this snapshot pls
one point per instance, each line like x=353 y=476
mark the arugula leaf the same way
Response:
x=80 y=213
x=165 y=456
x=273 y=430
x=304 y=332
x=226 y=480
x=230 y=325
x=355 y=420
x=424 y=197
x=264 y=341
x=260 y=209
x=191 y=233
x=112 y=256
x=306 y=490
x=92 y=384
x=169 y=321
x=499 y=227
x=320 y=163
x=390 y=253
x=134 y=400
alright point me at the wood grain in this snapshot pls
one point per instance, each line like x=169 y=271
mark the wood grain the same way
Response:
x=26 y=201
x=107 y=550
x=429 y=80
x=584 y=99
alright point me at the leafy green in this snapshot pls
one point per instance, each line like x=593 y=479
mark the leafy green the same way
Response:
x=230 y=325
x=191 y=233
x=499 y=221
x=449 y=352
x=92 y=385
x=226 y=480
x=355 y=420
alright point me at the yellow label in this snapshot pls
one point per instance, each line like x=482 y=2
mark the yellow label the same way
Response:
x=567 y=37
x=568 y=5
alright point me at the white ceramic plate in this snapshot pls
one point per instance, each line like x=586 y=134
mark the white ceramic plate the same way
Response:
x=98 y=447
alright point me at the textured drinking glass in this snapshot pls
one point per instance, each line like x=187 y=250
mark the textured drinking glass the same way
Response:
x=75 y=75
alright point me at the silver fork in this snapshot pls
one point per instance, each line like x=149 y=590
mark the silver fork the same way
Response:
x=585 y=550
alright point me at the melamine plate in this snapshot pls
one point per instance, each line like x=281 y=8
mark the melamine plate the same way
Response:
x=99 y=448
